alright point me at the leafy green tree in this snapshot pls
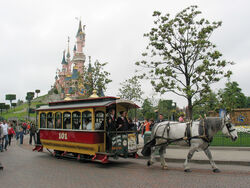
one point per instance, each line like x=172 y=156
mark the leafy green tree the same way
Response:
x=205 y=103
x=29 y=98
x=231 y=97
x=10 y=97
x=166 y=108
x=248 y=102
x=19 y=102
x=37 y=92
x=2 y=107
x=7 y=107
x=13 y=104
x=148 y=109
x=96 y=77
x=131 y=90
x=183 y=60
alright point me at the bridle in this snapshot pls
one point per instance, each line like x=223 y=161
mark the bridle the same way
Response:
x=229 y=127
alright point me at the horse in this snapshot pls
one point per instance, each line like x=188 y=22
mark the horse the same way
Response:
x=198 y=135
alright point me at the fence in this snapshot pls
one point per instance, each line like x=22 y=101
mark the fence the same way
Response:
x=242 y=141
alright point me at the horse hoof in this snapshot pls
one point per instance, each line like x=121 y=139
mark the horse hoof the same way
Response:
x=216 y=170
x=148 y=163
x=187 y=170
x=164 y=167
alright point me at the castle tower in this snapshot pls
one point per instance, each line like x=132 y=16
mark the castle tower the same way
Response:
x=79 y=57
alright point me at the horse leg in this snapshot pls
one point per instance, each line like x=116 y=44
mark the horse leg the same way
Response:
x=162 y=151
x=152 y=156
x=189 y=156
x=209 y=156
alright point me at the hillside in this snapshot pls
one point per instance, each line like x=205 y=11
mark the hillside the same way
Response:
x=21 y=111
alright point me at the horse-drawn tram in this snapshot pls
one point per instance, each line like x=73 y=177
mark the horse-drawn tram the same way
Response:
x=81 y=129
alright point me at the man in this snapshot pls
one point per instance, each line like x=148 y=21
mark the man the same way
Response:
x=122 y=122
x=32 y=133
x=111 y=120
x=161 y=118
x=5 y=135
x=1 y=136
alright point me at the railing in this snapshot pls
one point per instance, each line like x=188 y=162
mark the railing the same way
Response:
x=242 y=141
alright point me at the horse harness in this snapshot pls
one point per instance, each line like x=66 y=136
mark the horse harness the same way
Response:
x=203 y=134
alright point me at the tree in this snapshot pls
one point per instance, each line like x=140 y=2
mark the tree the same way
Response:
x=10 y=97
x=231 y=97
x=13 y=104
x=29 y=98
x=2 y=107
x=183 y=59
x=148 y=109
x=205 y=104
x=166 y=108
x=37 y=92
x=131 y=89
x=96 y=78
x=248 y=102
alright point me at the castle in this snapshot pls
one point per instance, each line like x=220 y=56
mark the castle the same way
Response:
x=68 y=81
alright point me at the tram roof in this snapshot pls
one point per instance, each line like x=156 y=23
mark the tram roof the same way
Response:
x=88 y=103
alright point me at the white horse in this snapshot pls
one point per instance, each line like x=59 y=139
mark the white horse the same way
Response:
x=196 y=134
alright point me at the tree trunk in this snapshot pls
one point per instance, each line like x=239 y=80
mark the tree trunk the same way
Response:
x=190 y=109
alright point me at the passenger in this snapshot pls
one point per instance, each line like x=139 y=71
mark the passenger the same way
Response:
x=161 y=118
x=122 y=122
x=111 y=120
x=88 y=124
x=132 y=126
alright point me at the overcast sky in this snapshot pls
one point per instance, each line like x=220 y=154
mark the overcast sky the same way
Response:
x=33 y=35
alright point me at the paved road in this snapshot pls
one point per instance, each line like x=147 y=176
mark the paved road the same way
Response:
x=26 y=169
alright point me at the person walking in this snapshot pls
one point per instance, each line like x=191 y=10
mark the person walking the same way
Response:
x=5 y=135
x=1 y=136
x=11 y=132
x=32 y=132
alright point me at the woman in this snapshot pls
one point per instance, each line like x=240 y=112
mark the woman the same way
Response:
x=11 y=132
x=122 y=122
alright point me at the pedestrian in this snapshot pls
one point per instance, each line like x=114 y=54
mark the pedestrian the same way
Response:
x=21 y=134
x=32 y=132
x=24 y=126
x=17 y=130
x=151 y=124
x=11 y=132
x=1 y=136
x=181 y=118
x=145 y=127
x=5 y=135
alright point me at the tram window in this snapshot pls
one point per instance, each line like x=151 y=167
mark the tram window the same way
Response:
x=86 y=120
x=99 y=120
x=76 y=120
x=50 y=120
x=42 y=120
x=66 y=120
x=58 y=120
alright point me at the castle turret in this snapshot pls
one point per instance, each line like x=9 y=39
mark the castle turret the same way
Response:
x=80 y=37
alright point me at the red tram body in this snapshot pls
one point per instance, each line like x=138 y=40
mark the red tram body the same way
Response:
x=78 y=128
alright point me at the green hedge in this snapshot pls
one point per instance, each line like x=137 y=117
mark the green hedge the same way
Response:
x=221 y=140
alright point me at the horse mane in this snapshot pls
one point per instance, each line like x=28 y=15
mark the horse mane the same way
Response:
x=211 y=125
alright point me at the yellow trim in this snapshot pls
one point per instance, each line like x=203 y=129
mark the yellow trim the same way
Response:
x=81 y=148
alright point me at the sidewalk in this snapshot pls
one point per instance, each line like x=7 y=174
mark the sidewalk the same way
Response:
x=221 y=155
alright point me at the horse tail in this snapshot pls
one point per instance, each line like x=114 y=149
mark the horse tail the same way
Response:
x=146 y=150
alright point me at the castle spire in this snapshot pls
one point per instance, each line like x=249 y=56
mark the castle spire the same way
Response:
x=63 y=60
x=68 y=54
x=79 y=32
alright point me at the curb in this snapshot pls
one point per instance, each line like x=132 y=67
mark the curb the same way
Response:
x=173 y=160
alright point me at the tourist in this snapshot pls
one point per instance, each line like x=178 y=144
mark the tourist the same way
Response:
x=5 y=135
x=181 y=118
x=11 y=132
x=1 y=136
x=161 y=118
x=122 y=122
x=24 y=126
x=32 y=132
